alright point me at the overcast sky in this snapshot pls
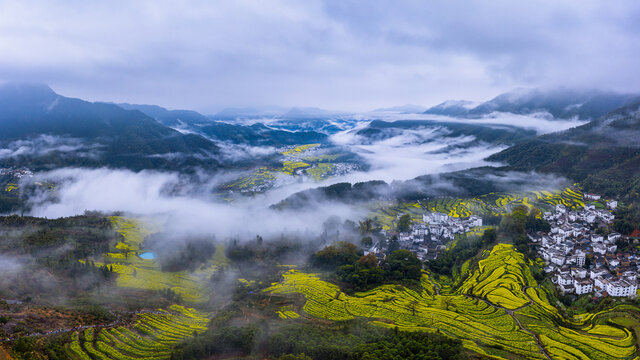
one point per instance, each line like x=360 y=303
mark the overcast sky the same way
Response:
x=342 y=55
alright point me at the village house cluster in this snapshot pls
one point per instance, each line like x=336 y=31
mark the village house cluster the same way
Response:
x=427 y=239
x=16 y=172
x=581 y=260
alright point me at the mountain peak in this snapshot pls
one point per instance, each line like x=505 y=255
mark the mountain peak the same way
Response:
x=25 y=90
x=451 y=108
x=405 y=109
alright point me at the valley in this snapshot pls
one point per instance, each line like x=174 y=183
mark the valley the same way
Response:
x=279 y=238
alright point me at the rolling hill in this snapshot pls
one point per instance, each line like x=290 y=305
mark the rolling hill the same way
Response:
x=81 y=133
x=603 y=154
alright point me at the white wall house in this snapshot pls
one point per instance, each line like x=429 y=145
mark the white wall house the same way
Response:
x=558 y=260
x=475 y=221
x=580 y=258
x=592 y=196
x=622 y=288
x=435 y=218
x=565 y=280
x=583 y=286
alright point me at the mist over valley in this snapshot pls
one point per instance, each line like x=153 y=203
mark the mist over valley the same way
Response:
x=319 y=180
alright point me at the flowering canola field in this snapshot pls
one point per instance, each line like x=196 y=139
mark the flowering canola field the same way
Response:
x=490 y=204
x=499 y=310
x=298 y=160
x=151 y=337
x=136 y=272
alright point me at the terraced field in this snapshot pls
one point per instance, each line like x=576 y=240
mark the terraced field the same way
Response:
x=261 y=177
x=490 y=204
x=500 y=311
x=297 y=160
x=151 y=337
x=299 y=149
x=11 y=187
x=136 y=272
x=320 y=171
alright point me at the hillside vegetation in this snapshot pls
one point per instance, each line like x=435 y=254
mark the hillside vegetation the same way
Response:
x=499 y=310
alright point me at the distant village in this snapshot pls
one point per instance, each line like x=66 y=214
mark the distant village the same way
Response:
x=579 y=259
x=16 y=172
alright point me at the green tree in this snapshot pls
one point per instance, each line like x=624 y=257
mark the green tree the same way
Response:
x=393 y=244
x=402 y=265
x=404 y=223
x=365 y=227
x=366 y=241
x=294 y=357
x=335 y=255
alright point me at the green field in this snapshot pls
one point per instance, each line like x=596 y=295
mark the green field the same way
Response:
x=500 y=311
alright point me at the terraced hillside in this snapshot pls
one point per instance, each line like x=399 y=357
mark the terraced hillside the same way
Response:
x=151 y=337
x=137 y=272
x=499 y=310
x=309 y=160
x=490 y=204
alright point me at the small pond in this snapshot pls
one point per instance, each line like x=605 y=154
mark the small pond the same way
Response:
x=148 y=255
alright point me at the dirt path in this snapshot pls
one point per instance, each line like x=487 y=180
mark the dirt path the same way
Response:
x=435 y=286
x=508 y=312
x=515 y=318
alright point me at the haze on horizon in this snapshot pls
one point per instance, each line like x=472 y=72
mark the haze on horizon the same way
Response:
x=340 y=55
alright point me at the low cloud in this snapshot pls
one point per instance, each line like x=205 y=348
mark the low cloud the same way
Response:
x=45 y=145
x=542 y=123
x=240 y=152
x=411 y=153
x=9 y=265
x=186 y=212
x=513 y=181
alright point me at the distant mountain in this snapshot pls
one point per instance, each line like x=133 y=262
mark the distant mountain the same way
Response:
x=256 y=134
x=492 y=134
x=404 y=109
x=327 y=126
x=451 y=108
x=603 y=154
x=172 y=118
x=559 y=103
x=248 y=112
x=259 y=135
x=308 y=113
x=102 y=134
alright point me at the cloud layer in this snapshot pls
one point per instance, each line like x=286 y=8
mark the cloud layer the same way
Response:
x=337 y=54
x=411 y=153
x=188 y=211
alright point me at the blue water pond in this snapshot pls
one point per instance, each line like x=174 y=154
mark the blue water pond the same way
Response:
x=148 y=255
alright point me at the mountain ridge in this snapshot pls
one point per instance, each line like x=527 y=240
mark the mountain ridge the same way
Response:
x=560 y=103
x=125 y=138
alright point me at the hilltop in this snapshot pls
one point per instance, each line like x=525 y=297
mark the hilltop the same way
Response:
x=47 y=130
x=604 y=154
